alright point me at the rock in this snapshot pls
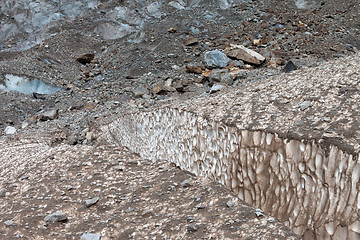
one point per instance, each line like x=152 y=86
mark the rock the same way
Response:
x=221 y=75
x=257 y=42
x=31 y=120
x=192 y=227
x=230 y=204
x=72 y=139
x=159 y=90
x=194 y=30
x=129 y=210
x=216 y=88
x=49 y=115
x=168 y=82
x=85 y=58
x=39 y=96
x=10 y=130
x=191 y=41
x=2 y=193
x=168 y=85
x=172 y=30
x=178 y=86
x=206 y=73
x=215 y=76
x=90 y=236
x=172 y=55
x=349 y=47
x=140 y=91
x=236 y=74
x=9 y=223
x=91 y=201
x=24 y=177
x=193 y=69
x=119 y=168
x=242 y=53
x=187 y=183
x=275 y=62
x=289 y=67
x=259 y=212
x=304 y=105
x=215 y=59
x=90 y=136
x=238 y=63
x=56 y=217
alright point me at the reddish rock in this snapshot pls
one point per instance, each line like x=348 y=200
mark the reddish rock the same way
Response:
x=85 y=58
x=207 y=73
x=193 y=69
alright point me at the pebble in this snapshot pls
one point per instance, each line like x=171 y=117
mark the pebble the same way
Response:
x=216 y=88
x=259 y=212
x=49 y=115
x=2 y=193
x=90 y=236
x=56 y=217
x=216 y=58
x=194 y=30
x=193 y=69
x=187 y=183
x=172 y=55
x=172 y=30
x=92 y=201
x=85 y=58
x=158 y=89
x=9 y=223
x=289 y=67
x=304 y=105
x=230 y=204
x=24 y=177
x=191 y=41
x=129 y=210
x=119 y=168
x=190 y=219
x=9 y=130
x=192 y=227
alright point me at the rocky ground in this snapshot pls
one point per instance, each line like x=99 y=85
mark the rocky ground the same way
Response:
x=111 y=56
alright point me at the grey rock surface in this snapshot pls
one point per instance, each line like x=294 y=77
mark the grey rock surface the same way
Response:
x=90 y=236
x=215 y=59
x=216 y=88
x=56 y=217
x=92 y=201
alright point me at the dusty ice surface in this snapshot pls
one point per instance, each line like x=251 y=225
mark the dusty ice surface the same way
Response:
x=27 y=86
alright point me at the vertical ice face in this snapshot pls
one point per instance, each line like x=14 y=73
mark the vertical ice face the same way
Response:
x=24 y=85
x=314 y=191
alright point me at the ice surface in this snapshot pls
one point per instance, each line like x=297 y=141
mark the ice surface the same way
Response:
x=27 y=86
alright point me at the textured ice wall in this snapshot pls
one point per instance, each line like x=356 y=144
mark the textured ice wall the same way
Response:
x=315 y=192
